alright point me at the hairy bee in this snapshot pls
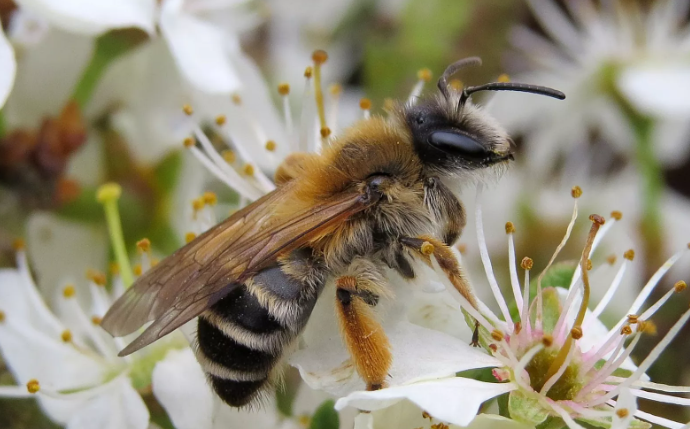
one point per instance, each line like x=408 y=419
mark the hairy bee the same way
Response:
x=374 y=199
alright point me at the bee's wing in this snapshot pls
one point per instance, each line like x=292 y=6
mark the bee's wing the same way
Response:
x=196 y=276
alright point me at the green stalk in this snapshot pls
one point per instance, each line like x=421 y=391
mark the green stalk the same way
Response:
x=108 y=47
x=108 y=195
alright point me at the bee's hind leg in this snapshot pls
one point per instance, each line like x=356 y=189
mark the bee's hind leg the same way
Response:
x=364 y=337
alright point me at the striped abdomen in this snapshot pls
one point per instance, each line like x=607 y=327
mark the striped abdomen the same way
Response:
x=242 y=337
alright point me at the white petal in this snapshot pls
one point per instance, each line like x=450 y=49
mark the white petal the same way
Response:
x=659 y=91
x=120 y=407
x=454 y=400
x=8 y=68
x=94 y=17
x=62 y=250
x=199 y=50
x=180 y=386
x=418 y=354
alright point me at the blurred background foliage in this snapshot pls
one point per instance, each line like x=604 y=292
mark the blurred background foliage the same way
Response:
x=385 y=47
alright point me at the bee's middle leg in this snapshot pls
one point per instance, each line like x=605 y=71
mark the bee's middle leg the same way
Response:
x=364 y=337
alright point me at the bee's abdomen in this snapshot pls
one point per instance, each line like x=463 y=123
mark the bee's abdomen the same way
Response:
x=241 y=338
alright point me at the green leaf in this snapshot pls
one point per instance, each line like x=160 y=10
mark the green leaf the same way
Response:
x=526 y=409
x=325 y=416
x=167 y=172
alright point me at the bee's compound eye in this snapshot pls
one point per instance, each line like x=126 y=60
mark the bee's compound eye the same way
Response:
x=456 y=142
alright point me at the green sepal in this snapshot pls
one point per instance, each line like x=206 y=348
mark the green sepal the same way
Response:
x=325 y=417
x=526 y=409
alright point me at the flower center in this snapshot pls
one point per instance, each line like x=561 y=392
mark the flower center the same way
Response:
x=567 y=386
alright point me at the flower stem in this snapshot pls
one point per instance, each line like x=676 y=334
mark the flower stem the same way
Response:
x=108 y=194
x=107 y=48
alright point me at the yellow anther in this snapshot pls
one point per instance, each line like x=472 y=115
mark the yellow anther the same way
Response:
x=229 y=156
x=189 y=237
x=633 y=318
x=144 y=245
x=96 y=320
x=576 y=192
x=188 y=142
x=271 y=146
x=220 y=120
x=680 y=286
x=595 y=218
x=304 y=420
x=66 y=336
x=69 y=291
x=622 y=413
x=426 y=415
x=319 y=56
x=335 y=89
x=626 y=330
x=210 y=198
x=33 y=386
x=426 y=248
x=18 y=244
x=611 y=259
x=187 y=109
x=646 y=326
x=576 y=332
x=510 y=228
x=325 y=132
x=154 y=262
x=503 y=78
x=629 y=254
x=110 y=191
x=2 y=316
x=462 y=248
x=589 y=264
x=284 y=88
x=388 y=104
x=236 y=99
x=365 y=104
x=617 y=215
x=114 y=268
x=497 y=335
x=688 y=245
x=137 y=270
x=96 y=276
x=248 y=169
x=527 y=263
x=547 y=340
x=198 y=204
x=457 y=84
x=308 y=72
x=424 y=74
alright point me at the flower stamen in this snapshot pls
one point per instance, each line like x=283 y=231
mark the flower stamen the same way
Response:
x=365 y=105
x=423 y=76
x=319 y=57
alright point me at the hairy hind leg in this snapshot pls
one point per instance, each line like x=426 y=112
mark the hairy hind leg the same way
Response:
x=364 y=337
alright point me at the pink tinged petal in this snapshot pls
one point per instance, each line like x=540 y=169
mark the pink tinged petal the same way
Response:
x=180 y=386
x=657 y=91
x=8 y=68
x=199 y=50
x=418 y=354
x=120 y=407
x=453 y=400
x=94 y=17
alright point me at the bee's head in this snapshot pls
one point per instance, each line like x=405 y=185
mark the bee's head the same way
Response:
x=452 y=135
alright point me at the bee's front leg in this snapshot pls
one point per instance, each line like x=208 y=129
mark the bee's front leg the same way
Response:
x=363 y=334
x=425 y=246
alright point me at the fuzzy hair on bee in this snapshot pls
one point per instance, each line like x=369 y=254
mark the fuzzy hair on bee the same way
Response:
x=378 y=197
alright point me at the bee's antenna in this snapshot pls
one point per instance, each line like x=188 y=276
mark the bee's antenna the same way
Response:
x=454 y=68
x=510 y=86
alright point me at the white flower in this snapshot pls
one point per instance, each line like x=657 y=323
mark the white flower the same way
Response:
x=558 y=360
x=602 y=57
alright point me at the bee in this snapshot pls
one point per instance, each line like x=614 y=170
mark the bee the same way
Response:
x=375 y=199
